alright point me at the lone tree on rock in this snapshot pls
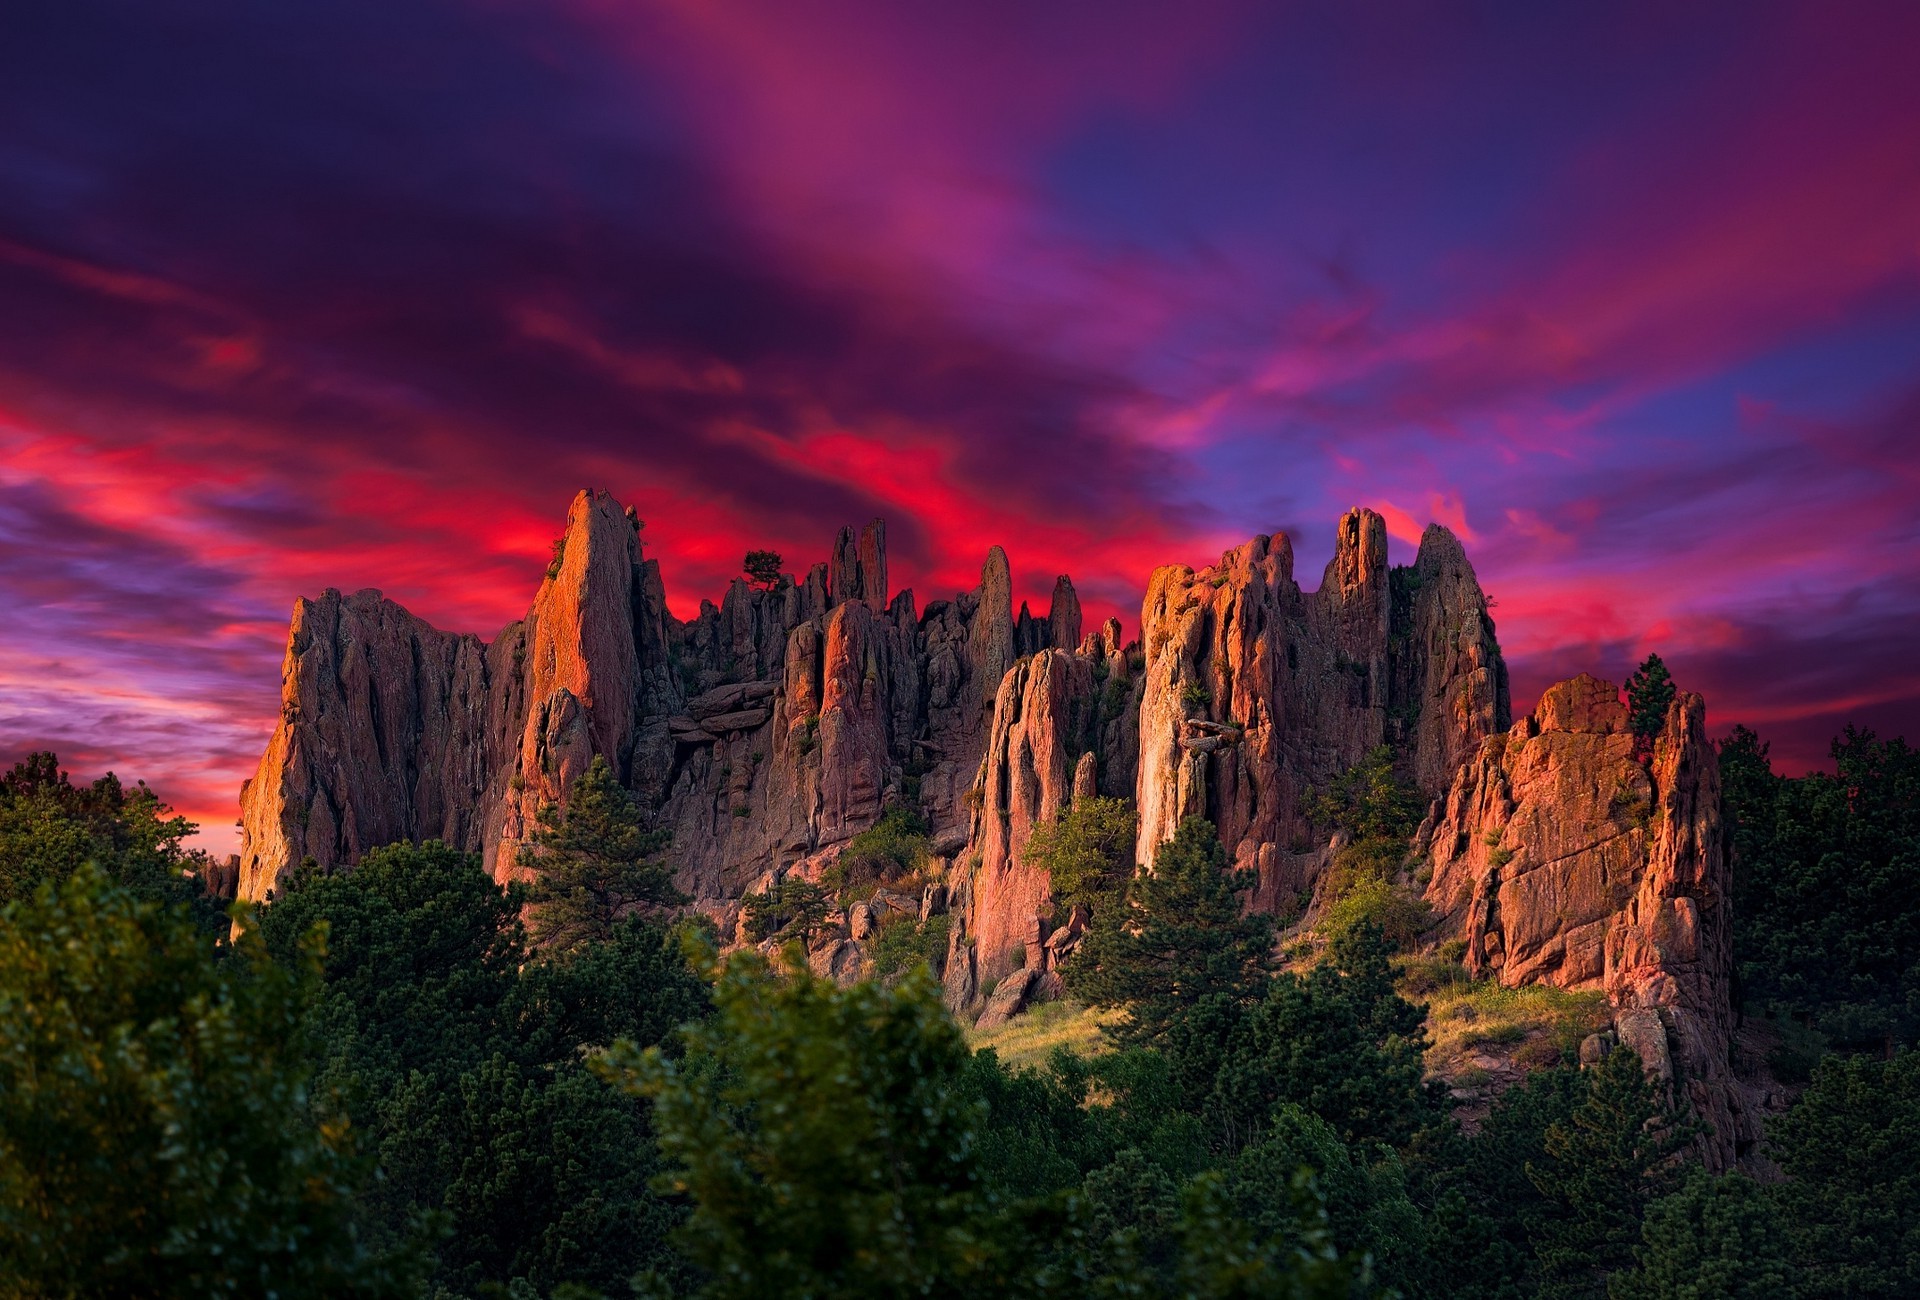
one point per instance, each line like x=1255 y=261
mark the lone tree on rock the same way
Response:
x=594 y=863
x=1649 y=691
x=763 y=568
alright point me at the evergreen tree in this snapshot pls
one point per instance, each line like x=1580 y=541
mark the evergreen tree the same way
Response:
x=824 y=1140
x=1339 y=1041
x=1852 y=1197
x=458 y=1054
x=762 y=568
x=594 y=862
x=1826 y=877
x=1481 y=1195
x=1603 y=1165
x=50 y=827
x=791 y=909
x=1714 y=1239
x=1649 y=691
x=1180 y=939
x=154 y=1131
x=1087 y=853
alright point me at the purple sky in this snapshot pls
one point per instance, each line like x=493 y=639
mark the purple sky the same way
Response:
x=357 y=294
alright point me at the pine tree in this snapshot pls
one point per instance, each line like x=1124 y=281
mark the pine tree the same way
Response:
x=1181 y=938
x=1603 y=1165
x=1649 y=691
x=763 y=568
x=1714 y=1239
x=594 y=863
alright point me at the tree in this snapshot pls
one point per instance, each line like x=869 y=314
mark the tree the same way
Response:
x=791 y=908
x=50 y=827
x=594 y=862
x=763 y=568
x=458 y=1055
x=823 y=1140
x=1339 y=1041
x=1370 y=801
x=1087 y=853
x=1602 y=1166
x=1180 y=939
x=1852 y=1196
x=1826 y=877
x=1714 y=1239
x=1649 y=691
x=154 y=1130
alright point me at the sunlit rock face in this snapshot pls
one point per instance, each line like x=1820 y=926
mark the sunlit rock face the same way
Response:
x=762 y=731
x=1257 y=693
x=1566 y=854
x=770 y=729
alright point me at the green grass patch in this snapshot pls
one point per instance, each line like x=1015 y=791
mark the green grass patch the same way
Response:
x=1030 y=1038
x=1465 y=1016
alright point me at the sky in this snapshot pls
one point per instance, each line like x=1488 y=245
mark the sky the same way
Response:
x=359 y=293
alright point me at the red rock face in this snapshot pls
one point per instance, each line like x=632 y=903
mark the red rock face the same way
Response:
x=771 y=728
x=761 y=732
x=1562 y=859
x=1257 y=692
x=1044 y=721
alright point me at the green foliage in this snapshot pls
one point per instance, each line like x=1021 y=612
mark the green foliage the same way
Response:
x=1370 y=801
x=1087 y=853
x=1179 y=939
x=762 y=568
x=1397 y=913
x=1195 y=696
x=1339 y=1041
x=50 y=827
x=458 y=1053
x=594 y=862
x=903 y=943
x=1600 y=1167
x=1714 y=1239
x=1224 y=1257
x=892 y=849
x=557 y=558
x=1852 y=1199
x=1367 y=1211
x=791 y=908
x=822 y=1139
x=154 y=1138
x=1649 y=691
x=1827 y=886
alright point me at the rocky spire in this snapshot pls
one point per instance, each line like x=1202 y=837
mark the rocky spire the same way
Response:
x=990 y=642
x=1063 y=615
x=860 y=566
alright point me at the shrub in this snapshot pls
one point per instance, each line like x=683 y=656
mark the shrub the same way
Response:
x=788 y=909
x=1195 y=695
x=904 y=943
x=887 y=852
x=1087 y=852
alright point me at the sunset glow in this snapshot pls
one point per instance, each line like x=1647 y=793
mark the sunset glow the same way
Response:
x=356 y=295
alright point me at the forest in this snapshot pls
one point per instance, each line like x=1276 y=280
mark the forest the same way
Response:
x=406 y=1080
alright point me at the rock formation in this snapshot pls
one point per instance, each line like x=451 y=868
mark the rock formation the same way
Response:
x=761 y=731
x=1257 y=693
x=1562 y=858
x=768 y=730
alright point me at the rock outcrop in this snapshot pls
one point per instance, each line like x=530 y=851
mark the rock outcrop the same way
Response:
x=769 y=729
x=1258 y=693
x=1565 y=855
x=761 y=731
